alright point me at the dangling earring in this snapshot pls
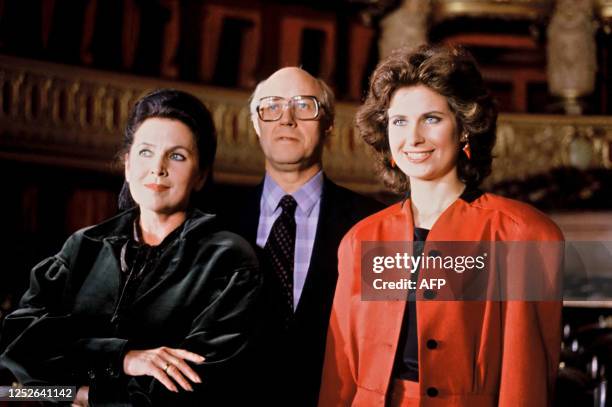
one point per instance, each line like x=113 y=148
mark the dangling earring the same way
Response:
x=392 y=163
x=466 y=148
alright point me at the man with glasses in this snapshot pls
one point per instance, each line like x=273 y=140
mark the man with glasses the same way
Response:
x=297 y=217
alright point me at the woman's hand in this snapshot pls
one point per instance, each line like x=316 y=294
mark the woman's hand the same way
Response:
x=163 y=363
x=82 y=397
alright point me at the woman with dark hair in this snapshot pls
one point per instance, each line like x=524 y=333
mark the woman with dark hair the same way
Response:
x=431 y=123
x=153 y=306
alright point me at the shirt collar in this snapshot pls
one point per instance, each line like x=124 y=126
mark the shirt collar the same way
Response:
x=306 y=196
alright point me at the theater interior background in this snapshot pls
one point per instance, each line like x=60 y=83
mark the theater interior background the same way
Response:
x=70 y=70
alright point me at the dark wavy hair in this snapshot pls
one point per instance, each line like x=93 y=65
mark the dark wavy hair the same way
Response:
x=175 y=105
x=449 y=71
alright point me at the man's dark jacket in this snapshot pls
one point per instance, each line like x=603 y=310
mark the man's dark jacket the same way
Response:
x=289 y=363
x=70 y=329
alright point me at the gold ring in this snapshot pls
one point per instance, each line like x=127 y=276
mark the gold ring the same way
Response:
x=166 y=368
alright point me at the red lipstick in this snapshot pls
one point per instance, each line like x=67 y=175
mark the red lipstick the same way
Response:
x=157 y=187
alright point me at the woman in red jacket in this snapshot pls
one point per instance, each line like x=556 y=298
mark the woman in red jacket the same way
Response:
x=431 y=122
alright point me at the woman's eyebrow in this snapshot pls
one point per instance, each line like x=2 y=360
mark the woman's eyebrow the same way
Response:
x=180 y=147
x=391 y=114
x=177 y=146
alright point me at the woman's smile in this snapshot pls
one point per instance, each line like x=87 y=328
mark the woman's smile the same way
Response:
x=416 y=157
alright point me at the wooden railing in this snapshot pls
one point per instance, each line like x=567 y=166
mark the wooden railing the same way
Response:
x=69 y=116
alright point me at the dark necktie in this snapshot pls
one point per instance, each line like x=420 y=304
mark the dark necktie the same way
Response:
x=280 y=249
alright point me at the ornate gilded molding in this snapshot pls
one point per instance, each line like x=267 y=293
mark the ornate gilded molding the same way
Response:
x=70 y=116
x=508 y=9
x=534 y=144
x=74 y=117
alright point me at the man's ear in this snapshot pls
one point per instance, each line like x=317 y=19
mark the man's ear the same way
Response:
x=255 y=121
x=328 y=128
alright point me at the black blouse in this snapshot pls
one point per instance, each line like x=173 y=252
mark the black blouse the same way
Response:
x=406 y=365
x=139 y=260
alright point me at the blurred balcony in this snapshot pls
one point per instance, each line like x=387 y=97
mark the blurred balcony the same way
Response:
x=73 y=117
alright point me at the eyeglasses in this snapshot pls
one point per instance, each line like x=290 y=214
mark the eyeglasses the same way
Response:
x=303 y=107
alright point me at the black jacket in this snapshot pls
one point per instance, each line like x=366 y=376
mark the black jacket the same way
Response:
x=70 y=329
x=290 y=363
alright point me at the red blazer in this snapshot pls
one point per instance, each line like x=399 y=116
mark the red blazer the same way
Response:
x=487 y=353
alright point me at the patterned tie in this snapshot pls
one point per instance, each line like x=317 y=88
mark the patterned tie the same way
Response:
x=280 y=249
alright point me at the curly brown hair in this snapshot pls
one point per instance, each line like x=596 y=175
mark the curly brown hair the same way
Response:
x=449 y=71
